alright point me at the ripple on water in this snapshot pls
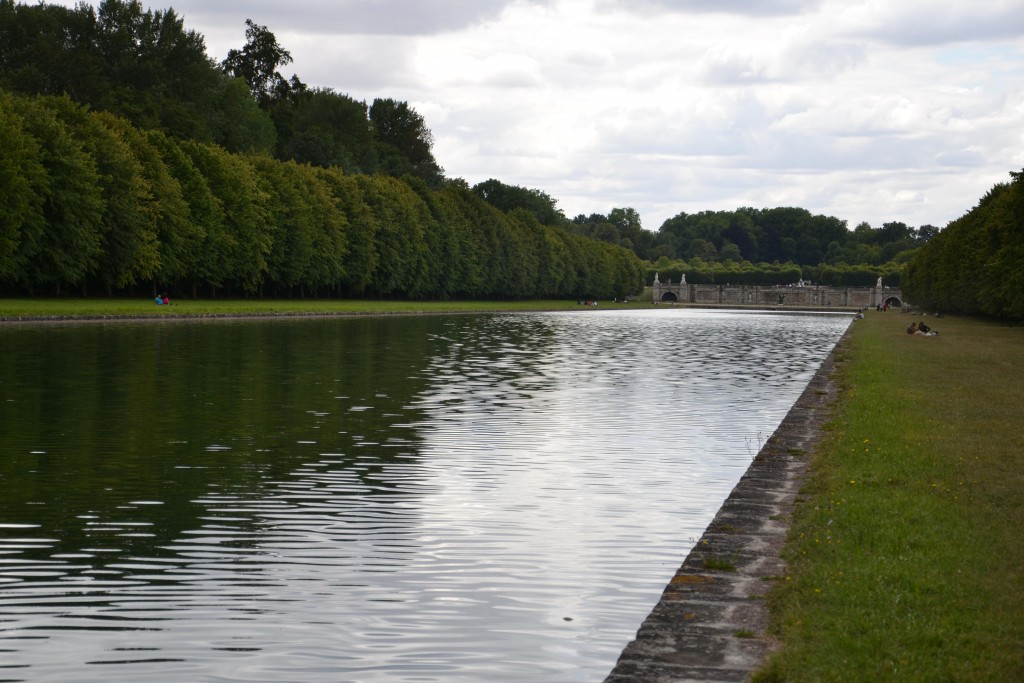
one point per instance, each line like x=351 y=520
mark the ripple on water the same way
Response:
x=513 y=518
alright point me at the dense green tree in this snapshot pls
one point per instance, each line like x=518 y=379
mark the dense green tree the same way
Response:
x=190 y=256
x=330 y=229
x=50 y=50
x=164 y=213
x=70 y=247
x=291 y=225
x=404 y=143
x=362 y=257
x=257 y=64
x=925 y=233
x=555 y=268
x=142 y=65
x=463 y=210
x=510 y=197
x=238 y=124
x=23 y=177
x=329 y=129
x=306 y=228
x=976 y=264
x=237 y=254
x=129 y=251
x=180 y=227
x=446 y=238
x=399 y=240
x=522 y=243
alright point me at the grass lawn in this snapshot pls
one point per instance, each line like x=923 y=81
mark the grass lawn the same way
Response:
x=906 y=553
x=74 y=308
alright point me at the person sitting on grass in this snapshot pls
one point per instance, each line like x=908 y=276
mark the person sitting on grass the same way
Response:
x=916 y=330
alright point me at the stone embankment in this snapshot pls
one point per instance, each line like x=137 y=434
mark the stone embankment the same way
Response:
x=711 y=621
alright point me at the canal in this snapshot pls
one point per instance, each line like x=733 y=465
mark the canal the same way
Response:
x=385 y=499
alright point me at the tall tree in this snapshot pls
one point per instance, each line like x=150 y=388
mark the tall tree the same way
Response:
x=404 y=141
x=23 y=178
x=329 y=129
x=179 y=231
x=129 y=233
x=510 y=197
x=257 y=63
x=237 y=254
x=70 y=247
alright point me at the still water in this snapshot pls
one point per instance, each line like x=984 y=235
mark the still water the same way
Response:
x=463 y=498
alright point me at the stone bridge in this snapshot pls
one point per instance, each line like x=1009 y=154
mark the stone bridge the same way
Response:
x=797 y=295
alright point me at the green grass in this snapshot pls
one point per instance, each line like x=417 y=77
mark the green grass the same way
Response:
x=76 y=308
x=906 y=553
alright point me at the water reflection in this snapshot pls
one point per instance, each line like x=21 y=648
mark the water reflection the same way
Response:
x=440 y=498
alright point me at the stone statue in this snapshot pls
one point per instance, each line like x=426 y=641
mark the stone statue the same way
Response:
x=683 y=281
x=879 y=283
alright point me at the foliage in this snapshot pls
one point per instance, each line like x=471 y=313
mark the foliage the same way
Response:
x=330 y=130
x=257 y=64
x=141 y=65
x=66 y=250
x=976 y=265
x=95 y=202
x=403 y=141
x=23 y=176
x=511 y=197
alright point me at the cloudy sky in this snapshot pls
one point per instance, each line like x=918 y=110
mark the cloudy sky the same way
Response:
x=868 y=110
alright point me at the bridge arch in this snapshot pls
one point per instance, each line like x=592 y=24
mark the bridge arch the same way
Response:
x=669 y=296
x=893 y=301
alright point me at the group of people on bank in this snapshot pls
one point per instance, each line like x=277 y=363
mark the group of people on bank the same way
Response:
x=921 y=329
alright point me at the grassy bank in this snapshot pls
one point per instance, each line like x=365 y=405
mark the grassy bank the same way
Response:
x=906 y=554
x=86 y=308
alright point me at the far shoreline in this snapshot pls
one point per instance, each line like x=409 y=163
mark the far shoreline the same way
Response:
x=517 y=307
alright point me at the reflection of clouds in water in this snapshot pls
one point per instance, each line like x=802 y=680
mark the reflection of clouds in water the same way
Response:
x=531 y=468
x=600 y=443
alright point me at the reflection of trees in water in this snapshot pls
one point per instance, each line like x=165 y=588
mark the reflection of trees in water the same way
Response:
x=100 y=423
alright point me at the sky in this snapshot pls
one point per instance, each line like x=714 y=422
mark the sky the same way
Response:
x=867 y=110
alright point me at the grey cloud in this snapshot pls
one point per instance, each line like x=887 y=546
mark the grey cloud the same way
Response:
x=387 y=17
x=961 y=158
x=360 y=63
x=917 y=25
x=753 y=8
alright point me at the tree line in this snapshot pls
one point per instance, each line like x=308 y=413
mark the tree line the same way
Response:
x=93 y=203
x=976 y=264
x=151 y=73
x=769 y=236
